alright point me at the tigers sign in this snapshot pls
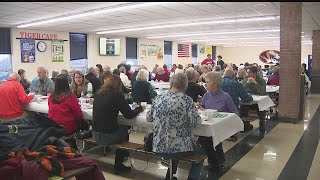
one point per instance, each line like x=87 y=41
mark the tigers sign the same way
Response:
x=270 y=56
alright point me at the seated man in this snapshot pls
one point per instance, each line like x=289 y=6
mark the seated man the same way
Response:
x=12 y=98
x=235 y=89
x=257 y=86
x=44 y=85
x=174 y=115
x=194 y=89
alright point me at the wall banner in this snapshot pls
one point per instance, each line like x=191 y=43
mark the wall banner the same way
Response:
x=270 y=56
x=152 y=50
x=28 y=54
x=143 y=51
x=160 y=54
x=57 y=51
x=209 y=50
x=202 y=49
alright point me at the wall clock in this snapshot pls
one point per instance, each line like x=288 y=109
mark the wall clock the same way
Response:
x=41 y=46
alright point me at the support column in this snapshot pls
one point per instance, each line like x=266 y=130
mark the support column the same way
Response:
x=315 y=74
x=290 y=61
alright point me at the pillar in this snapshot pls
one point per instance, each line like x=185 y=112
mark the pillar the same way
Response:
x=290 y=61
x=315 y=74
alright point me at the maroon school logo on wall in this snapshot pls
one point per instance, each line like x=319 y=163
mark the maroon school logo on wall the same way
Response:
x=270 y=56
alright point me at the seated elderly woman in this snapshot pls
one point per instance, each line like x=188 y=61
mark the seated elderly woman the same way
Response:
x=194 y=89
x=142 y=91
x=174 y=115
x=124 y=78
x=161 y=75
x=242 y=74
x=274 y=78
x=221 y=101
x=205 y=69
x=106 y=106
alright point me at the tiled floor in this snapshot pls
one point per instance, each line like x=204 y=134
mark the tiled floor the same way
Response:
x=265 y=160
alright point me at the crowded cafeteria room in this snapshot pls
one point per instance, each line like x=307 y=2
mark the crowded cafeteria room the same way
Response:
x=160 y=90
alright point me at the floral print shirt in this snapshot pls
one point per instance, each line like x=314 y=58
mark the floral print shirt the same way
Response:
x=174 y=115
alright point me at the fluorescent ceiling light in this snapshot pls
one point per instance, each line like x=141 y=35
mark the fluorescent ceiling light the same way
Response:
x=215 y=33
x=229 y=39
x=190 y=24
x=121 y=7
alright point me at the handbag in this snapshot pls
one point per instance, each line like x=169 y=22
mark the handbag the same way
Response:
x=148 y=140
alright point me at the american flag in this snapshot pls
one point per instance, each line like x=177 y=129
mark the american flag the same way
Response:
x=183 y=50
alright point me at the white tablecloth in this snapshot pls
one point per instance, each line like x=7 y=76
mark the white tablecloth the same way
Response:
x=264 y=102
x=160 y=85
x=219 y=128
x=272 y=89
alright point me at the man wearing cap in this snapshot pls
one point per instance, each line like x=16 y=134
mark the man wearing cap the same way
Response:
x=208 y=61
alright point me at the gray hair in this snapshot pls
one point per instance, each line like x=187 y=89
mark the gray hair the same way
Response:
x=55 y=74
x=122 y=69
x=43 y=69
x=214 y=77
x=205 y=68
x=191 y=73
x=217 y=68
x=179 y=81
x=228 y=73
x=143 y=75
x=15 y=76
x=242 y=71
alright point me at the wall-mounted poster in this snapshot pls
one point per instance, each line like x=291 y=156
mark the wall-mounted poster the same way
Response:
x=143 y=51
x=28 y=54
x=202 y=49
x=209 y=50
x=270 y=56
x=160 y=53
x=152 y=50
x=57 y=51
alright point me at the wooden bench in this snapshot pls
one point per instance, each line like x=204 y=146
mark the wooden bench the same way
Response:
x=129 y=146
x=72 y=173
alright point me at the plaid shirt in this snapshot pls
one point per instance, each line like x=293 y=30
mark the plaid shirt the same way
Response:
x=235 y=89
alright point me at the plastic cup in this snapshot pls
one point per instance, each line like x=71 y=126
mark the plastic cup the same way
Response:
x=210 y=113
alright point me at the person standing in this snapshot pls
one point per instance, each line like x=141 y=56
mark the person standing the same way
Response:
x=208 y=61
x=220 y=62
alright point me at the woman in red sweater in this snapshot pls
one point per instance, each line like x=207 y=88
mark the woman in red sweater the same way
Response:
x=64 y=108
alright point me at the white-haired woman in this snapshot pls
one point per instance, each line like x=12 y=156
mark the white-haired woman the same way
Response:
x=124 y=78
x=221 y=101
x=161 y=75
x=242 y=74
x=142 y=91
x=205 y=69
x=174 y=115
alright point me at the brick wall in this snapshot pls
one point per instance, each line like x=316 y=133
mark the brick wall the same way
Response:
x=290 y=52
